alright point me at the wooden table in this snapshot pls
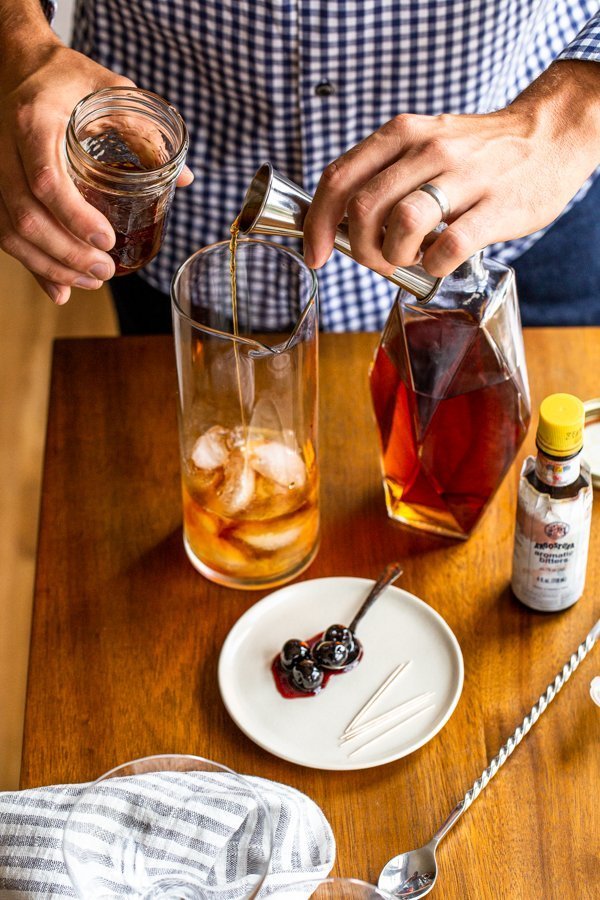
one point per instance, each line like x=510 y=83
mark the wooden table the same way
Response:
x=126 y=634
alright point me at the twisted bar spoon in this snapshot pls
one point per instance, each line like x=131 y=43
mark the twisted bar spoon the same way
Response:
x=412 y=875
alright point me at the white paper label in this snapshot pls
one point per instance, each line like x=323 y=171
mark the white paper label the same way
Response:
x=551 y=545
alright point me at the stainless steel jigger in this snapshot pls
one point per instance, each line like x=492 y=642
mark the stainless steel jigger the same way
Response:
x=275 y=205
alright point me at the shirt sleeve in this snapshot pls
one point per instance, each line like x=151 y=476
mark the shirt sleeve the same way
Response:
x=49 y=8
x=587 y=43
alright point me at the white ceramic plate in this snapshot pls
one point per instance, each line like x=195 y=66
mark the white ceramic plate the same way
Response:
x=306 y=730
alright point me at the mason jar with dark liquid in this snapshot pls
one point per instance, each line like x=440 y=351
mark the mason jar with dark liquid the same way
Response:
x=125 y=149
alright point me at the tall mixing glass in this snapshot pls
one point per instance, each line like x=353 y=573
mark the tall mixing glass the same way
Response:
x=247 y=373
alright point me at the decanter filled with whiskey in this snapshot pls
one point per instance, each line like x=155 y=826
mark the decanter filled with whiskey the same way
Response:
x=451 y=398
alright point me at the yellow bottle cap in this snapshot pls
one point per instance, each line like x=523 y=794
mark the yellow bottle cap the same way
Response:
x=560 y=428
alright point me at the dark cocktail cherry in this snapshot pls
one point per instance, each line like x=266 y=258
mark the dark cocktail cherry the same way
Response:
x=292 y=652
x=346 y=636
x=306 y=675
x=339 y=633
x=331 y=654
x=337 y=649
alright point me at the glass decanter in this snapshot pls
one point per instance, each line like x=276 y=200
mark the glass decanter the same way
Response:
x=451 y=398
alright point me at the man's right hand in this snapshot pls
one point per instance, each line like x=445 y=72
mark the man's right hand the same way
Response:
x=44 y=221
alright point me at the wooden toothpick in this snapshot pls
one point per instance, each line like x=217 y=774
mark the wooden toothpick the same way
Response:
x=378 y=693
x=384 y=717
x=397 y=725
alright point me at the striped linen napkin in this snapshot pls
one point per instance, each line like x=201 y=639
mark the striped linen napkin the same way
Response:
x=32 y=823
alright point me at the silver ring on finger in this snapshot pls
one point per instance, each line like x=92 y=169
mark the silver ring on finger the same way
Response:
x=439 y=197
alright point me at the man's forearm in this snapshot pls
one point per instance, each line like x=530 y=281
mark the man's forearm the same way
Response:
x=23 y=29
x=583 y=76
x=565 y=100
x=25 y=35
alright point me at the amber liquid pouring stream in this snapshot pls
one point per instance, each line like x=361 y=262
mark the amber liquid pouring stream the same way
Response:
x=235 y=231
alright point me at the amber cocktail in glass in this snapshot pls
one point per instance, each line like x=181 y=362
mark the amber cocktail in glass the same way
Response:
x=248 y=413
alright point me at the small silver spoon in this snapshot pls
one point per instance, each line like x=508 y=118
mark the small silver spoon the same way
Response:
x=391 y=572
x=412 y=875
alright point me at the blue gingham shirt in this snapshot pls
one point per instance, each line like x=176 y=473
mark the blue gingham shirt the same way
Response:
x=298 y=82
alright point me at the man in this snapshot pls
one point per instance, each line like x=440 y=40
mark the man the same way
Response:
x=404 y=94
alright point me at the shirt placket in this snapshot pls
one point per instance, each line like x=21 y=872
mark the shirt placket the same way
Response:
x=320 y=35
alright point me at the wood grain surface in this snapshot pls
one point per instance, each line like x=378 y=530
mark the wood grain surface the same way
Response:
x=126 y=634
x=29 y=322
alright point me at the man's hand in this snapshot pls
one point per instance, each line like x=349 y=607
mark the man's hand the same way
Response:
x=505 y=174
x=44 y=221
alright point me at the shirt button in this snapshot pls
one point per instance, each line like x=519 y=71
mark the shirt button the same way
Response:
x=324 y=88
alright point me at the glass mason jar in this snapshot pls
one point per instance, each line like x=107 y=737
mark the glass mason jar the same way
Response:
x=247 y=380
x=125 y=149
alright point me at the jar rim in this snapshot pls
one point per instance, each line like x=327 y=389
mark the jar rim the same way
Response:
x=140 y=101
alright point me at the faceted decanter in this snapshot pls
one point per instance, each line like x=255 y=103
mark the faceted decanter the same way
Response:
x=451 y=398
